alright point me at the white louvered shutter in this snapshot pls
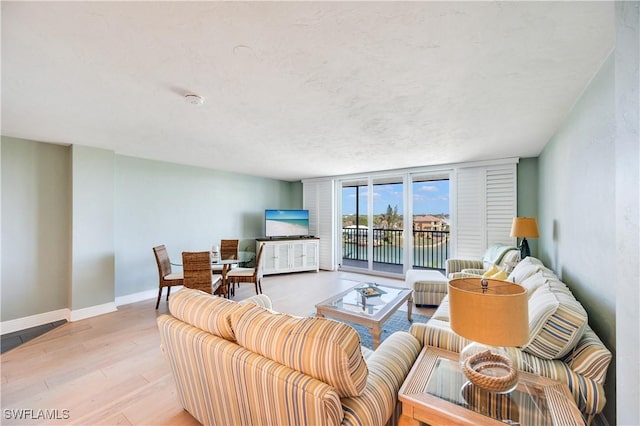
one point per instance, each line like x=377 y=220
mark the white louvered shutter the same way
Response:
x=486 y=203
x=318 y=198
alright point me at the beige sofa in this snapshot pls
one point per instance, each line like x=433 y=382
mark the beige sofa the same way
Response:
x=243 y=364
x=561 y=345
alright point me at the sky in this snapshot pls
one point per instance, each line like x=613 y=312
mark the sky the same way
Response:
x=430 y=197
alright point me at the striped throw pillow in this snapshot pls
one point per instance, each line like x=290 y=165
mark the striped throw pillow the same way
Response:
x=557 y=321
x=202 y=310
x=322 y=348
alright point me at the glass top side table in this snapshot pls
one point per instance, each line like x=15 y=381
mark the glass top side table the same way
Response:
x=436 y=391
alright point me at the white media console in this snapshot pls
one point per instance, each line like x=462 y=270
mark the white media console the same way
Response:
x=281 y=255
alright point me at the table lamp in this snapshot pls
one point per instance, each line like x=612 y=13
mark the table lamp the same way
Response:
x=523 y=227
x=490 y=313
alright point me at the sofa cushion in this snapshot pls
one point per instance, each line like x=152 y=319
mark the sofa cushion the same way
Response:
x=557 y=321
x=509 y=260
x=537 y=280
x=202 y=310
x=325 y=349
x=525 y=268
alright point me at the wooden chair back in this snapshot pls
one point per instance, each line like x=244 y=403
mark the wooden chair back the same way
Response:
x=258 y=271
x=166 y=277
x=162 y=260
x=248 y=275
x=196 y=267
x=228 y=249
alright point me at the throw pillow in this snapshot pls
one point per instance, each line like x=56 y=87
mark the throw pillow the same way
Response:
x=322 y=348
x=557 y=321
x=510 y=260
x=490 y=272
x=500 y=275
x=202 y=310
x=523 y=270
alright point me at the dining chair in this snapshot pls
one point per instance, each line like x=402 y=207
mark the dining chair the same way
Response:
x=248 y=275
x=167 y=278
x=196 y=267
x=228 y=250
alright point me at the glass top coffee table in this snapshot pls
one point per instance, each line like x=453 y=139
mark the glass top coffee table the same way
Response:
x=437 y=392
x=367 y=304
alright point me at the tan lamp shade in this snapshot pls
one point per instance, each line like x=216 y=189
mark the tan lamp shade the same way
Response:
x=524 y=227
x=496 y=316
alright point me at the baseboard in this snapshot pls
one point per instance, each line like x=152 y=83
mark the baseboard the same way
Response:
x=138 y=297
x=78 y=314
x=93 y=311
x=34 y=320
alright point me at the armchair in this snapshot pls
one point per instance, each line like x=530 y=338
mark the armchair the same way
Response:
x=503 y=256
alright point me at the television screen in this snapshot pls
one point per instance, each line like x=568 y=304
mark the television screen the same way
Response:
x=286 y=223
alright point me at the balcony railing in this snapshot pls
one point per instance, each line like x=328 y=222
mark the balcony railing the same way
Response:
x=430 y=248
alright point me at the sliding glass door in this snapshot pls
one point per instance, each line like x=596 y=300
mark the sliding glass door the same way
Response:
x=387 y=244
x=355 y=224
x=430 y=221
x=393 y=223
x=373 y=225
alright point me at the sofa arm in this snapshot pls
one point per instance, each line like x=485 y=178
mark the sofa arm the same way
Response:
x=457 y=265
x=261 y=300
x=590 y=357
x=388 y=368
x=457 y=275
x=438 y=333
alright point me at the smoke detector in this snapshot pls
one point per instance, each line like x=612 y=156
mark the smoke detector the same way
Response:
x=193 y=99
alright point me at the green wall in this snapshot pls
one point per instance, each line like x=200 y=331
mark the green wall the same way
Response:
x=577 y=172
x=36 y=227
x=528 y=194
x=626 y=214
x=186 y=209
x=79 y=223
x=92 y=256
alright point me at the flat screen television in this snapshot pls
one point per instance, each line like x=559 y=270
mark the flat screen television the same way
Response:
x=286 y=223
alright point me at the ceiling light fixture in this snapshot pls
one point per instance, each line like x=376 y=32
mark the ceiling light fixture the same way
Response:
x=193 y=99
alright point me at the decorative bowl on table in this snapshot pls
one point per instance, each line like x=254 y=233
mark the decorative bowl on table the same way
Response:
x=371 y=290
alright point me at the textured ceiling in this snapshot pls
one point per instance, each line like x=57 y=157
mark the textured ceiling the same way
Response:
x=300 y=89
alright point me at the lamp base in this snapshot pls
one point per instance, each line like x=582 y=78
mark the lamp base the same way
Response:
x=489 y=368
x=524 y=249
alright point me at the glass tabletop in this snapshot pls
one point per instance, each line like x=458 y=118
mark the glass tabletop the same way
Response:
x=215 y=262
x=527 y=405
x=366 y=298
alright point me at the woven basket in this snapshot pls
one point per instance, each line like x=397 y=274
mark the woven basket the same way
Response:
x=474 y=365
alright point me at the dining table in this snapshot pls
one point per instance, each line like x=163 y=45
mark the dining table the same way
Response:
x=226 y=265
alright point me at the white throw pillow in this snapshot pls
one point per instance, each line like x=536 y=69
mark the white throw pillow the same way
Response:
x=534 y=282
x=523 y=270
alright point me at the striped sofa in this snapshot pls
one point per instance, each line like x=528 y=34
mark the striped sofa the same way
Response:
x=561 y=345
x=243 y=364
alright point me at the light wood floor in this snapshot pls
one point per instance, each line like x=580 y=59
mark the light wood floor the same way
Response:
x=109 y=369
